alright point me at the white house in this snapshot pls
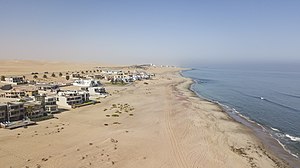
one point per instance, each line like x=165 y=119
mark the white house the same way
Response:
x=70 y=99
x=95 y=92
x=87 y=83
x=50 y=104
x=15 y=80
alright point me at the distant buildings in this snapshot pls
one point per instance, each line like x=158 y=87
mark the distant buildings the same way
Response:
x=15 y=80
x=19 y=93
x=47 y=87
x=39 y=101
x=86 y=83
x=13 y=94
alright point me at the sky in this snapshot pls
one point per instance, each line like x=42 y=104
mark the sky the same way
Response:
x=173 y=32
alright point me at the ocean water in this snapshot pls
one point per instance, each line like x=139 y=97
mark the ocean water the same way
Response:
x=268 y=98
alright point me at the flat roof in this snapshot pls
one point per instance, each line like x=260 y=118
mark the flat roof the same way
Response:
x=5 y=100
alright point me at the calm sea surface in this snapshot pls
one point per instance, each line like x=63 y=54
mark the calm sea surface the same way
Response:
x=268 y=98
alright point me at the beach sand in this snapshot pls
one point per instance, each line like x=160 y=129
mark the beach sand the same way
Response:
x=158 y=124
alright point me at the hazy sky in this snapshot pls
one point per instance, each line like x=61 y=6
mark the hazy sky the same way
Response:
x=175 y=32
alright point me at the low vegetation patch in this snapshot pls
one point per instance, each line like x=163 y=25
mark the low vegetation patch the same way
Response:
x=115 y=115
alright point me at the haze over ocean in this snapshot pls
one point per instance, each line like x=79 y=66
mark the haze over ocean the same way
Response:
x=161 y=32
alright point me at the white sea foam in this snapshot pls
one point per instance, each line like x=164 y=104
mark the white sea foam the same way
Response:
x=297 y=139
x=246 y=118
x=275 y=129
x=283 y=146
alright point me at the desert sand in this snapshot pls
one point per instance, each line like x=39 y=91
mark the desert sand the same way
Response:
x=159 y=124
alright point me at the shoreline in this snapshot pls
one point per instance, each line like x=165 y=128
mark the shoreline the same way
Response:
x=271 y=144
x=159 y=123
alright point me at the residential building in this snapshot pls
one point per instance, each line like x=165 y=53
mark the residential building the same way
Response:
x=15 y=80
x=47 y=87
x=33 y=109
x=86 y=83
x=15 y=111
x=31 y=92
x=3 y=112
x=70 y=99
x=95 y=91
x=98 y=76
x=19 y=93
x=13 y=94
x=50 y=104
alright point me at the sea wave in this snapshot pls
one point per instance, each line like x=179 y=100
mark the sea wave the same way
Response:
x=282 y=105
x=283 y=146
x=199 y=81
x=269 y=100
x=275 y=129
x=297 y=139
x=288 y=94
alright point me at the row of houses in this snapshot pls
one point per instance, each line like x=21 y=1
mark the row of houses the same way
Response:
x=110 y=75
x=18 y=110
x=19 y=93
x=40 y=105
x=42 y=99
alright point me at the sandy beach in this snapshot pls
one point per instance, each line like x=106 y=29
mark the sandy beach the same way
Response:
x=160 y=123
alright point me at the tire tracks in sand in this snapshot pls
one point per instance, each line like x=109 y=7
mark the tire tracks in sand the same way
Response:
x=178 y=157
